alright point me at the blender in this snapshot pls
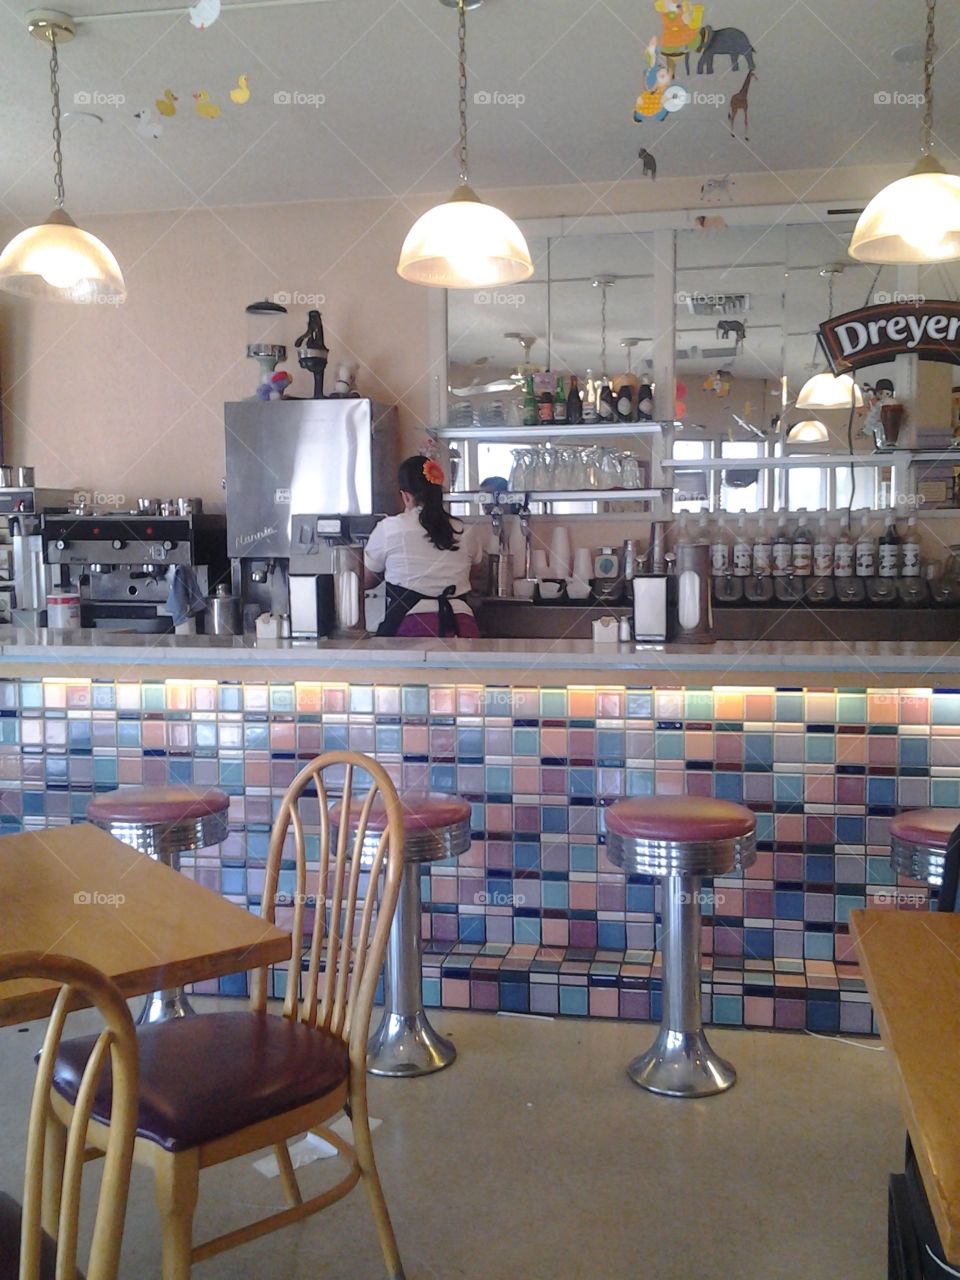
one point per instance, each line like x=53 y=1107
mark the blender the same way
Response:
x=263 y=324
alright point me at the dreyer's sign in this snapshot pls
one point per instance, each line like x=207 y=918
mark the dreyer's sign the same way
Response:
x=872 y=335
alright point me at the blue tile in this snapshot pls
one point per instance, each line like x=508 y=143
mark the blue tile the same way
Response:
x=583 y=782
x=583 y=857
x=845 y=903
x=758 y=750
x=10 y=732
x=128 y=733
x=431 y=993
x=33 y=804
x=915 y=752
x=789 y=707
x=823 y=1015
x=283 y=698
x=231 y=774
x=945 y=793
x=611 y=935
x=641 y=897
x=555 y=895
x=758 y=945
x=818 y=946
x=850 y=829
x=31 y=695
x=336 y=737
x=728 y=1010
x=472 y=928
x=526 y=742
x=389 y=739
x=499 y=779
x=882 y=791
x=553 y=819
x=205 y=736
x=611 y=744
x=233 y=880
x=573 y=1001
x=788 y=904
x=640 y=782
x=470 y=743
x=180 y=772
x=526 y=931
x=526 y=856
x=819 y=868
x=415 y=700
x=728 y=786
x=788 y=788
x=515 y=997
x=256 y=737
x=104 y=697
x=639 y=705
x=361 y=699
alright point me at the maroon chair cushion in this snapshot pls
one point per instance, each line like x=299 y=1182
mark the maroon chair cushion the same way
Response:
x=679 y=818
x=10 y=1217
x=422 y=811
x=931 y=828
x=156 y=804
x=204 y=1077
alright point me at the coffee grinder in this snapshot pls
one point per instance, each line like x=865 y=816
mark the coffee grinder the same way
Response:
x=263 y=329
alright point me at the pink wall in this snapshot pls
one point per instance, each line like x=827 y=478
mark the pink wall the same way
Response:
x=129 y=400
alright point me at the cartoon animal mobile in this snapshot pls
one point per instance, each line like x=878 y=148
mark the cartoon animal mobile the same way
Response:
x=682 y=20
x=649 y=163
x=729 y=40
x=660 y=95
x=714 y=188
x=736 y=328
x=708 y=223
x=740 y=102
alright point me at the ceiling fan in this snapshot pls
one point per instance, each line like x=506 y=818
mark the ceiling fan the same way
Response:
x=515 y=380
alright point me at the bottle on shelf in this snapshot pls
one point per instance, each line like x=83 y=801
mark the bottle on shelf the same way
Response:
x=823 y=549
x=606 y=405
x=762 y=551
x=624 y=398
x=802 y=548
x=866 y=555
x=742 y=550
x=574 y=403
x=719 y=551
x=590 y=399
x=910 y=567
x=560 y=402
x=703 y=528
x=888 y=551
x=645 y=403
x=782 y=551
x=546 y=405
x=844 y=552
x=531 y=410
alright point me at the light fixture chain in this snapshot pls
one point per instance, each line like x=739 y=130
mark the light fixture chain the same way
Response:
x=929 y=53
x=462 y=13
x=55 y=112
x=603 y=329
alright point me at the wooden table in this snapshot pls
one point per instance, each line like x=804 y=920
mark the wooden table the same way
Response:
x=78 y=891
x=911 y=963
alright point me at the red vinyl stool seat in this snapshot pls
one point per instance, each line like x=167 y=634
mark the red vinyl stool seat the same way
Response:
x=163 y=823
x=435 y=826
x=680 y=838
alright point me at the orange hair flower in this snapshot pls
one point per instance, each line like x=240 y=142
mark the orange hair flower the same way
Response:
x=432 y=472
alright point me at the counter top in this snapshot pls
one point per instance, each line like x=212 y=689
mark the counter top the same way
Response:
x=728 y=661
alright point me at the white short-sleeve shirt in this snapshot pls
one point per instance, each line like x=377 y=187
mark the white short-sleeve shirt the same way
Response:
x=400 y=549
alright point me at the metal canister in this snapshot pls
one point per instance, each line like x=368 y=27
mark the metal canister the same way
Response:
x=223 y=615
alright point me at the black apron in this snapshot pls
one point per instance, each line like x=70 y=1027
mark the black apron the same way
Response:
x=400 y=600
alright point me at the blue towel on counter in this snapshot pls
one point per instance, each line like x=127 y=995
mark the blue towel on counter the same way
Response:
x=185 y=599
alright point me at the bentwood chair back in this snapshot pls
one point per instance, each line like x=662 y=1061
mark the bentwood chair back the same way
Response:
x=48 y=1225
x=226 y=1084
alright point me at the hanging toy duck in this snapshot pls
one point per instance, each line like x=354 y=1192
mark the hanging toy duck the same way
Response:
x=657 y=80
x=203 y=106
x=167 y=105
x=241 y=94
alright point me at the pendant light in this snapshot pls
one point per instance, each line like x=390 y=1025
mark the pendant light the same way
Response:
x=812 y=431
x=917 y=218
x=57 y=259
x=824 y=390
x=464 y=243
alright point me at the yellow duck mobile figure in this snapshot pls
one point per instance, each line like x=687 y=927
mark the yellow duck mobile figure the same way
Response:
x=241 y=94
x=167 y=105
x=203 y=106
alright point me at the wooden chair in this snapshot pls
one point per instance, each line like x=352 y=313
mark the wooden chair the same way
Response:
x=227 y=1084
x=39 y=1240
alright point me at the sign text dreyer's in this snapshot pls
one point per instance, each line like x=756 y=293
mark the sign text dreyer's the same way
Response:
x=872 y=335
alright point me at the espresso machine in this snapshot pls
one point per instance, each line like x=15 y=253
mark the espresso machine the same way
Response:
x=307 y=481
x=24 y=578
x=120 y=561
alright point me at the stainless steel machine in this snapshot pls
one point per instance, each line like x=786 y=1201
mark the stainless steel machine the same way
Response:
x=119 y=560
x=307 y=481
x=23 y=575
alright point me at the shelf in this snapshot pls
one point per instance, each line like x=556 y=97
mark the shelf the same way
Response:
x=786 y=461
x=504 y=434
x=562 y=495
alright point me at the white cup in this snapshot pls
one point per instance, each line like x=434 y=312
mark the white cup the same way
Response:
x=560 y=552
x=538 y=564
x=583 y=564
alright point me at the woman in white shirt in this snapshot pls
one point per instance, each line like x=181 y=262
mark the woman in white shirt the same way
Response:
x=424 y=557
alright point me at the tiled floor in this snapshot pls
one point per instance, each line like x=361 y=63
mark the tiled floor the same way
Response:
x=534 y=1158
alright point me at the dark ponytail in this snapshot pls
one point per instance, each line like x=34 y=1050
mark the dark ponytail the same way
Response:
x=427 y=493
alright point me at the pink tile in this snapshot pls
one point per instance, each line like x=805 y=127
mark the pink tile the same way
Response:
x=416 y=740
x=761 y=868
x=758 y=788
x=556 y=933
x=944 y=750
x=758 y=1011
x=455 y=993
x=699 y=784
x=883 y=751
x=669 y=782
x=283 y=736
x=554 y=781
x=443 y=889
x=819 y=788
x=526 y=704
x=610 y=704
x=789 y=828
x=583 y=895
x=668 y=704
x=851 y=790
x=758 y=904
x=553 y=742
x=443 y=701
x=604 y=1002
x=469 y=701
x=499 y=817
x=915 y=708
x=729 y=902
x=729 y=747
x=526 y=779
x=851 y=749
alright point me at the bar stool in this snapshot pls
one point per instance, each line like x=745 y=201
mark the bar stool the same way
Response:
x=163 y=823
x=919 y=843
x=435 y=827
x=681 y=839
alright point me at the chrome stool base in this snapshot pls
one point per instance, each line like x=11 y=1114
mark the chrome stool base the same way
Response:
x=681 y=1064
x=407 y=1045
x=165 y=1006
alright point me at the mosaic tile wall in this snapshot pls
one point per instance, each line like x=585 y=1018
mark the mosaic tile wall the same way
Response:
x=534 y=918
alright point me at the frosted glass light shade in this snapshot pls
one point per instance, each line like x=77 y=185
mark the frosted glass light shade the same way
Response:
x=914 y=220
x=811 y=431
x=465 y=244
x=57 y=260
x=824 y=391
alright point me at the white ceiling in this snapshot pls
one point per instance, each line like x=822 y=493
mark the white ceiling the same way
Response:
x=387 y=71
